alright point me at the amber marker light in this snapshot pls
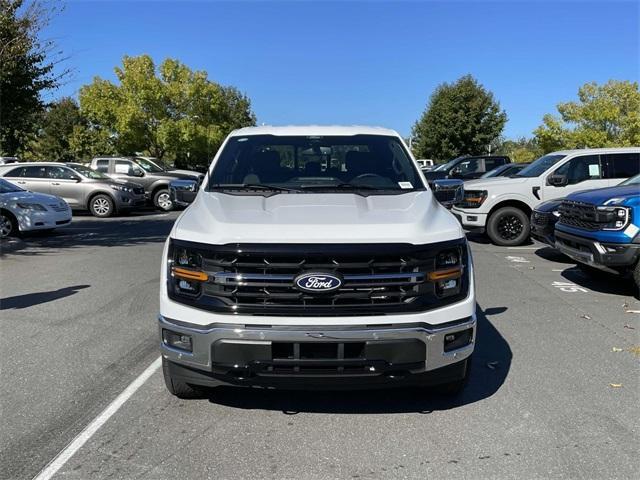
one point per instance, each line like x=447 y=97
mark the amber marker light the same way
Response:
x=187 y=274
x=447 y=274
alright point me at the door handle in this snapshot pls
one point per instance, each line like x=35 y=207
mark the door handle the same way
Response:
x=55 y=183
x=22 y=183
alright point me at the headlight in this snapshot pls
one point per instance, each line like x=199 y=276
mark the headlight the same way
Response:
x=122 y=188
x=473 y=198
x=447 y=276
x=31 y=206
x=614 y=218
x=185 y=274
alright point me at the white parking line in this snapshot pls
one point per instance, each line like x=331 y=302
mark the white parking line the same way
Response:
x=523 y=248
x=88 y=431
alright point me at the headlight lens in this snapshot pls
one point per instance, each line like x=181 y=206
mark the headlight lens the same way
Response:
x=447 y=276
x=615 y=218
x=186 y=276
x=473 y=198
x=32 y=206
x=122 y=188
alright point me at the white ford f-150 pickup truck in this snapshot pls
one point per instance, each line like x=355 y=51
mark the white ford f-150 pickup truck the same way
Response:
x=316 y=257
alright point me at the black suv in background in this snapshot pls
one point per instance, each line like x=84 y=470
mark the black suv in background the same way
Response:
x=466 y=168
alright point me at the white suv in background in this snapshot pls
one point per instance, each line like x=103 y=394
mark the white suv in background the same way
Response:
x=502 y=206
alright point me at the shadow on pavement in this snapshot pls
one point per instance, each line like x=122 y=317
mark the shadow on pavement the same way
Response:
x=491 y=364
x=601 y=282
x=37 y=298
x=90 y=232
x=553 y=255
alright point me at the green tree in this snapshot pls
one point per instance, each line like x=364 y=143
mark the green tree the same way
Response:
x=521 y=150
x=56 y=126
x=460 y=118
x=604 y=116
x=168 y=112
x=26 y=69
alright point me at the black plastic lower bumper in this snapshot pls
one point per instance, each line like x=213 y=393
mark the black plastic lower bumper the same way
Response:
x=607 y=256
x=398 y=376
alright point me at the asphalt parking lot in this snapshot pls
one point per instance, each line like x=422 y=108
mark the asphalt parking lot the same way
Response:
x=554 y=391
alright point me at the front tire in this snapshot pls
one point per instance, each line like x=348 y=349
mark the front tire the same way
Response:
x=162 y=200
x=8 y=224
x=508 y=227
x=176 y=386
x=456 y=387
x=101 y=206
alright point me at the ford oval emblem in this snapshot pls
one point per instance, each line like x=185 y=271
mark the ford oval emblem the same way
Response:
x=318 y=282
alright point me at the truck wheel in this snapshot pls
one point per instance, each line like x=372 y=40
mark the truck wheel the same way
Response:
x=455 y=388
x=162 y=200
x=176 y=386
x=508 y=227
x=8 y=224
x=101 y=206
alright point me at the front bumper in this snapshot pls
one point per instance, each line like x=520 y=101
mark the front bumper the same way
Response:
x=128 y=201
x=543 y=227
x=470 y=219
x=380 y=355
x=611 y=257
x=30 y=220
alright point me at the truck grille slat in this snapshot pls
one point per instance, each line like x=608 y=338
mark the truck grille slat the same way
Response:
x=579 y=215
x=260 y=279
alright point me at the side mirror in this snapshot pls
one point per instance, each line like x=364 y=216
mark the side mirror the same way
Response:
x=557 y=180
x=137 y=172
x=448 y=192
x=74 y=178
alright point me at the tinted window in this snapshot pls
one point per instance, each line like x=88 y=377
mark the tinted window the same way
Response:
x=622 y=165
x=102 y=166
x=579 y=169
x=28 y=172
x=472 y=165
x=313 y=162
x=59 y=173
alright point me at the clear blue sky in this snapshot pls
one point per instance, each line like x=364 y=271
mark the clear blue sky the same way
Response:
x=356 y=62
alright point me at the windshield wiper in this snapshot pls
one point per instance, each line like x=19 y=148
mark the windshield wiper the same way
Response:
x=252 y=186
x=341 y=186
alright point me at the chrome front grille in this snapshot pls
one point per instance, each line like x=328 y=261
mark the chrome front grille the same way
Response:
x=260 y=279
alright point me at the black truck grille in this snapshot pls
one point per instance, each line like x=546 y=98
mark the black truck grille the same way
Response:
x=579 y=215
x=259 y=279
x=541 y=219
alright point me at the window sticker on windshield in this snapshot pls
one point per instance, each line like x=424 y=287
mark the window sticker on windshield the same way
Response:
x=594 y=170
x=404 y=185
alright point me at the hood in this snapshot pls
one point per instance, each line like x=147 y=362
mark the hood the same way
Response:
x=488 y=183
x=31 y=197
x=601 y=195
x=220 y=218
x=190 y=173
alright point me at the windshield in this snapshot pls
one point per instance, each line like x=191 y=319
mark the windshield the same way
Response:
x=308 y=163
x=154 y=161
x=7 y=187
x=87 y=172
x=148 y=166
x=632 y=181
x=446 y=166
x=540 y=166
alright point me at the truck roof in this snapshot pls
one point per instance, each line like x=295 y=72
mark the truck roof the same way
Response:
x=310 y=130
x=599 y=150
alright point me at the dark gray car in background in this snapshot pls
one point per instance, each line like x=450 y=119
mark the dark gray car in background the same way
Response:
x=151 y=176
x=81 y=187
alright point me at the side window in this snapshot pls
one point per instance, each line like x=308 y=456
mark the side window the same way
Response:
x=16 y=172
x=469 y=166
x=59 y=173
x=622 y=165
x=579 y=169
x=102 y=166
x=491 y=163
x=124 y=166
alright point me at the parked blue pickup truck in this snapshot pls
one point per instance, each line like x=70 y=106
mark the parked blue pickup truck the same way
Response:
x=600 y=228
